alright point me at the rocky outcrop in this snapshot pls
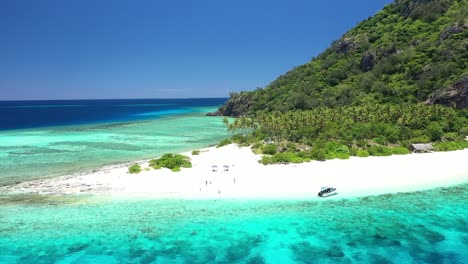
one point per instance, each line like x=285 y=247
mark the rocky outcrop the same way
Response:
x=344 y=46
x=237 y=105
x=367 y=61
x=450 y=31
x=455 y=95
x=408 y=6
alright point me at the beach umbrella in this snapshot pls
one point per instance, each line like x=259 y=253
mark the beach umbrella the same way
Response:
x=214 y=167
x=226 y=167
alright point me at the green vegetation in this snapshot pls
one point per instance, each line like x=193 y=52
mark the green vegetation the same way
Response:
x=372 y=93
x=400 y=151
x=379 y=151
x=406 y=53
x=450 y=145
x=171 y=161
x=134 y=169
x=341 y=132
x=224 y=143
x=195 y=152
x=270 y=149
x=362 y=153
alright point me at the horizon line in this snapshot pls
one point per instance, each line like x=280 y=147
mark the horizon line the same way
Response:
x=96 y=99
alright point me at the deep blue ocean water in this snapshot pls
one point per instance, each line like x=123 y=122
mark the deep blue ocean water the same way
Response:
x=34 y=114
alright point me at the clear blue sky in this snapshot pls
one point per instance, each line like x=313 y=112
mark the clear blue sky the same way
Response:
x=92 y=49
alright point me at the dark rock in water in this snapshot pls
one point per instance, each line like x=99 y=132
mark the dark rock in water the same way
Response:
x=379 y=237
x=379 y=259
x=147 y=259
x=335 y=253
x=394 y=243
x=351 y=244
x=367 y=61
x=434 y=237
x=455 y=95
x=77 y=248
x=256 y=260
x=217 y=113
x=137 y=252
x=465 y=240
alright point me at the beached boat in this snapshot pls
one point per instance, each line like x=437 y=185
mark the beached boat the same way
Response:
x=327 y=191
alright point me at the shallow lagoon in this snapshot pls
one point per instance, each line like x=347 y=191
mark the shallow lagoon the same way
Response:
x=51 y=151
x=421 y=227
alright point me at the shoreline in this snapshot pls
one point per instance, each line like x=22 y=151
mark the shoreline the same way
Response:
x=248 y=179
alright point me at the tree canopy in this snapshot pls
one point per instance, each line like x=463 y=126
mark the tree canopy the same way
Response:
x=404 y=54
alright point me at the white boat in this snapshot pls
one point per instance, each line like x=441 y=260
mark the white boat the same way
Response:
x=327 y=191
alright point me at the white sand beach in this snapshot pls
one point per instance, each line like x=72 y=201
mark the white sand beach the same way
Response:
x=248 y=179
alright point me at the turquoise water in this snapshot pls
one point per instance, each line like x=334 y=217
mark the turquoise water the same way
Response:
x=50 y=151
x=421 y=227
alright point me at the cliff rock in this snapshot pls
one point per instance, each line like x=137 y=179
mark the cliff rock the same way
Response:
x=455 y=95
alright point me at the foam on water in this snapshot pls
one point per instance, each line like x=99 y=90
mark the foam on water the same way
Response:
x=421 y=227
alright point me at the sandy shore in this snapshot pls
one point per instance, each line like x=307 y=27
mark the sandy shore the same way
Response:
x=248 y=179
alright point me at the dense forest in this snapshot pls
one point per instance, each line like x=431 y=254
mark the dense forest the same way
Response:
x=396 y=79
x=340 y=132
x=411 y=51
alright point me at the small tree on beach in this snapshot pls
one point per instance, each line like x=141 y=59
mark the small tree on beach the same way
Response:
x=134 y=169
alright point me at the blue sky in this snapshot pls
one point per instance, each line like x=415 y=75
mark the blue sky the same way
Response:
x=88 y=49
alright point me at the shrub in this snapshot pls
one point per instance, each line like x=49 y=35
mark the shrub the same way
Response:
x=400 y=151
x=381 y=140
x=335 y=150
x=421 y=139
x=330 y=155
x=434 y=131
x=361 y=143
x=291 y=147
x=318 y=154
x=362 y=153
x=244 y=140
x=464 y=131
x=341 y=155
x=269 y=149
x=379 y=151
x=134 y=169
x=297 y=160
x=224 y=142
x=171 y=161
x=195 y=152
x=267 y=160
x=285 y=157
x=257 y=145
x=342 y=152
x=307 y=154
x=176 y=169
x=451 y=136
x=450 y=145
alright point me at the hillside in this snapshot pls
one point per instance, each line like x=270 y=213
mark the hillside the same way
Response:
x=411 y=51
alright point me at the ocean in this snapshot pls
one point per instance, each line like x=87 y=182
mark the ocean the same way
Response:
x=420 y=227
x=45 y=139
x=49 y=138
